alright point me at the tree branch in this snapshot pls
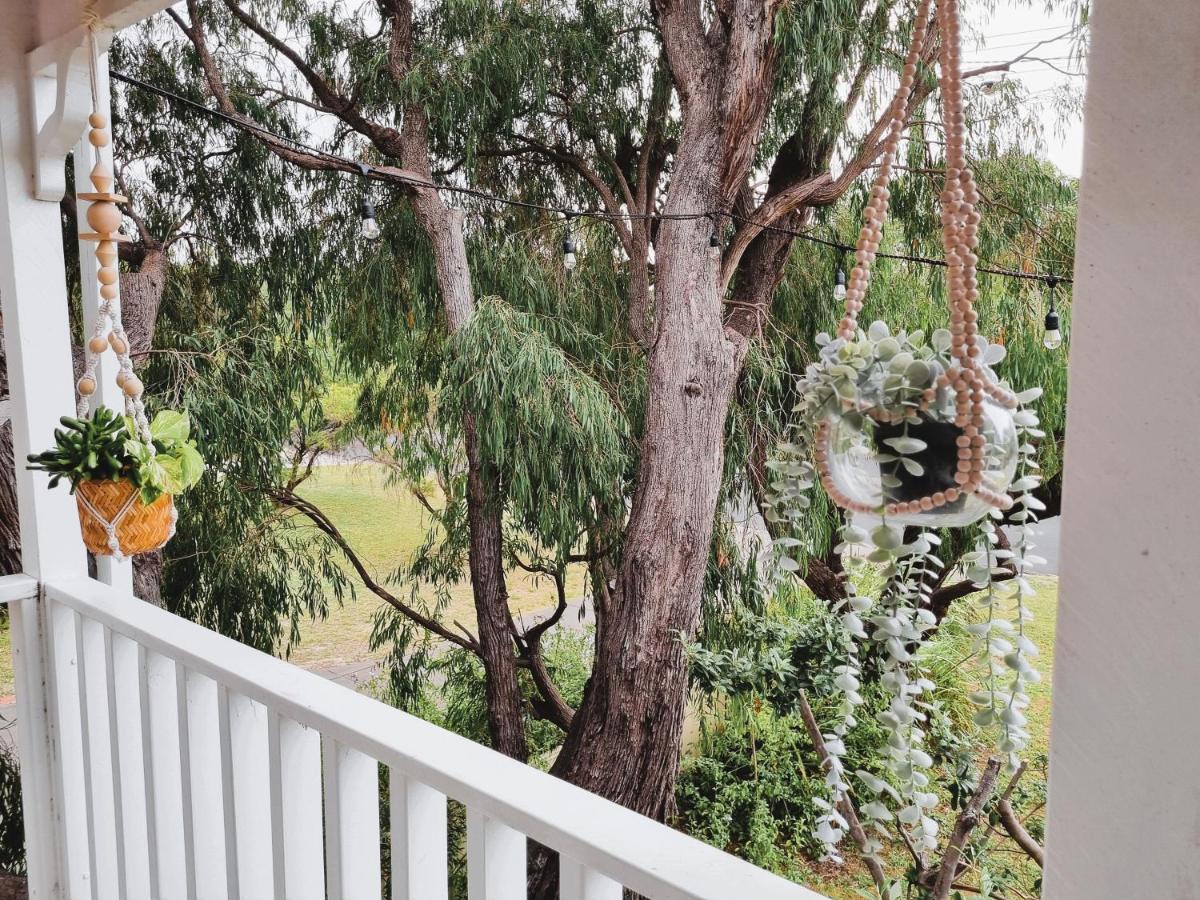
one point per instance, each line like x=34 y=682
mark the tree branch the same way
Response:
x=844 y=806
x=314 y=514
x=963 y=826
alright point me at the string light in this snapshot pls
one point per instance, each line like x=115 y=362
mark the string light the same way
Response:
x=839 y=285
x=1053 y=337
x=569 y=253
x=370 y=227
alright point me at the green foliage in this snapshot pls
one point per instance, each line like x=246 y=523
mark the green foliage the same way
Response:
x=750 y=790
x=12 y=817
x=106 y=447
x=546 y=424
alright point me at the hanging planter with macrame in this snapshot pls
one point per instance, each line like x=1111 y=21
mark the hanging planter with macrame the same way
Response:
x=123 y=470
x=915 y=428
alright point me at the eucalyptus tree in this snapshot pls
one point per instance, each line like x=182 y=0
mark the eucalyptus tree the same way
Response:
x=661 y=120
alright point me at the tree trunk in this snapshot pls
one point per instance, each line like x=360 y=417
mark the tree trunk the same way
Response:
x=484 y=507
x=625 y=740
x=10 y=531
x=624 y=743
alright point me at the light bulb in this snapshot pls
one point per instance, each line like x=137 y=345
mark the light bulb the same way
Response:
x=1053 y=337
x=370 y=228
x=839 y=288
x=569 y=253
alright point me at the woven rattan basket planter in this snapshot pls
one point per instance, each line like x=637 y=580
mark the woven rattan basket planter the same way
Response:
x=141 y=529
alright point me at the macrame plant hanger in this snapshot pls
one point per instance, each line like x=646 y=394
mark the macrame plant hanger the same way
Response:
x=105 y=218
x=965 y=380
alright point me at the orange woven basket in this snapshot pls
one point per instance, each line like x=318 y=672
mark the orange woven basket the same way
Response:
x=142 y=528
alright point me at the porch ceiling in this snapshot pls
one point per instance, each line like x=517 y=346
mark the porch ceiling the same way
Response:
x=53 y=19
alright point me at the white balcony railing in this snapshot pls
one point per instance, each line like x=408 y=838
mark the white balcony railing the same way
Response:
x=182 y=764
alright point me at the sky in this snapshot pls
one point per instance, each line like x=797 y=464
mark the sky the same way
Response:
x=1014 y=28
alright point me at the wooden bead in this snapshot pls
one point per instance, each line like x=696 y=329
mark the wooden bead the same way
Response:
x=108 y=291
x=98 y=120
x=106 y=257
x=108 y=274
x=98 y=137
x=104 y=217
x=132 y=386
x=86 y=386
x=121 y=376
x=98 y=344
x=119 y=346
x=101 y=178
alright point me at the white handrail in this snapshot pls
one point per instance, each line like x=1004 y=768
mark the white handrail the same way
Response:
x=17 y=587
x=635 y=851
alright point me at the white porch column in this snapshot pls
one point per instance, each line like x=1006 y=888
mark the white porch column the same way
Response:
x=37 y=343
x=1124 y=814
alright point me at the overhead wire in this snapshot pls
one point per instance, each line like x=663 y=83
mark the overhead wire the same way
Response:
x=358 y=169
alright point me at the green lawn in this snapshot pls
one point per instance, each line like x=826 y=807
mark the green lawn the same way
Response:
x=386 y=524
x=6 y=667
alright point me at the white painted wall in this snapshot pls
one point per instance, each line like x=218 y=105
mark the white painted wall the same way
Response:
x=1124 y=815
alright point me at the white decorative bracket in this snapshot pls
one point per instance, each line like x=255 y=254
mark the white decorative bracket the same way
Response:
x=61 y=96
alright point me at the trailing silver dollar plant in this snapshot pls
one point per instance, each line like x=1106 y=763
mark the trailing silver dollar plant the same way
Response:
x=896 y=624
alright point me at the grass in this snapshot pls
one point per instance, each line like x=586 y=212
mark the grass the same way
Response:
x=386 y=525
x=6 y=666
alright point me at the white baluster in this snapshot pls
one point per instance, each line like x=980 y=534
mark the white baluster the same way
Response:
x=209 y=857
x=126 y=692
x=249 y=770
x=351 y=822
x=297 y=842
x=577 y=882
x=495 y=859
x=166 y=777
x=104 y=827
x=418 y=826
x=71 y=776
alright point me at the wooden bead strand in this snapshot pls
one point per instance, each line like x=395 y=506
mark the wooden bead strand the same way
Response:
x=965 y=379
x=104 y=217
x=876 y=211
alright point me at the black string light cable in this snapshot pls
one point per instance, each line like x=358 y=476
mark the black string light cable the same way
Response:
x=369 y=172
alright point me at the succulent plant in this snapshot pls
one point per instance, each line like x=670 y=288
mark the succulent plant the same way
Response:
x=86 y=449
x=106 y=447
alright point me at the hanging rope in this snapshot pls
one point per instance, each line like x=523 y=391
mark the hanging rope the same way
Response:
x=966 y=378
x=105 y=217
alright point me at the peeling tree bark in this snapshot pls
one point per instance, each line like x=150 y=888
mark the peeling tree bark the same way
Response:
x=625 y=737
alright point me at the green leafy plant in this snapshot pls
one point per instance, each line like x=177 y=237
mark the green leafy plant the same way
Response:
x=106 y=447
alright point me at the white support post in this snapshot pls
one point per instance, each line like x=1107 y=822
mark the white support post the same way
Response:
x=495 y=859
x=1124 y=780
x=104 y=823
x=126 y=693
x=162 y=723
x=577 y=882
x=299 y=853
x=351 y=822
x=248 y=774
x=418 y=832
x=205 y=789
x=70 y=784
x=33 y=304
